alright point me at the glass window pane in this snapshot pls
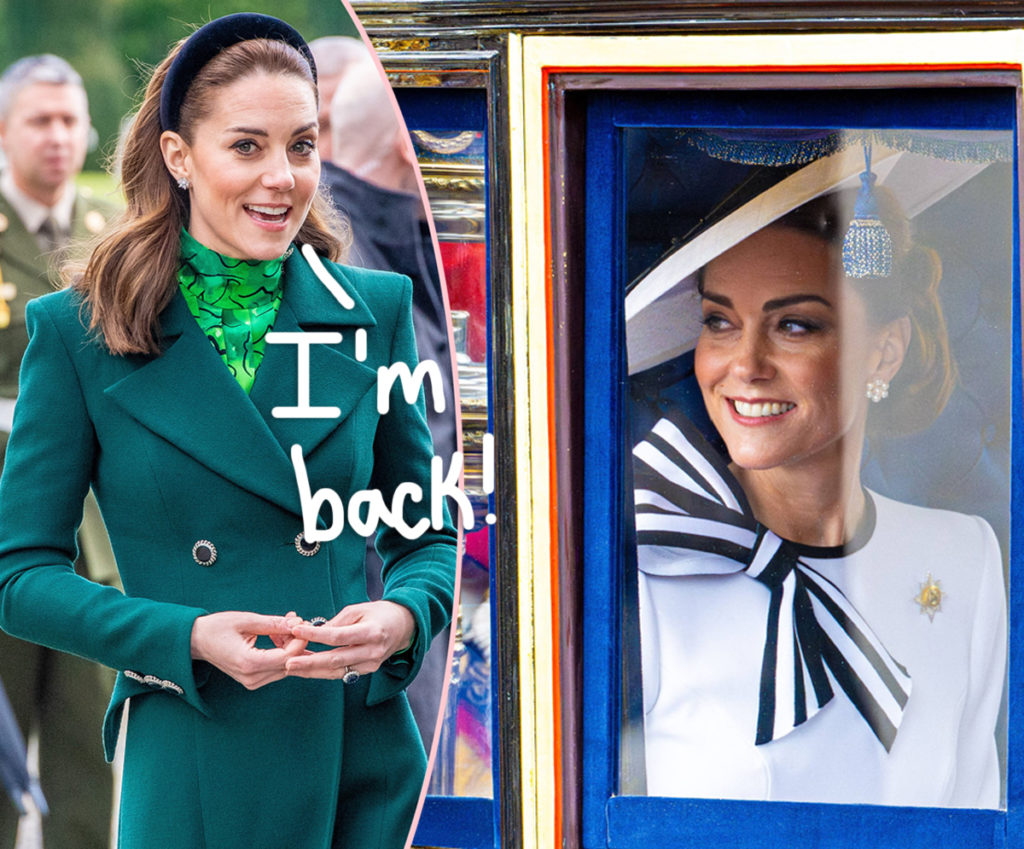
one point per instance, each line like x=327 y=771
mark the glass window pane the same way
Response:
x=819 y=345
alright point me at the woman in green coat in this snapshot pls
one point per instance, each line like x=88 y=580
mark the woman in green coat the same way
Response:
x=263 y=690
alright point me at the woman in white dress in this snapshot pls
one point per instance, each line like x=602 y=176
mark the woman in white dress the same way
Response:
x=803 y=638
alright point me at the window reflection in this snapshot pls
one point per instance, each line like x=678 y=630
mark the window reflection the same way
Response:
x=796 y=420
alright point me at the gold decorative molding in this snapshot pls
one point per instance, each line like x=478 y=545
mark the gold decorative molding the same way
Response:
x=453 y=184
x=446 y=145
x=401 y=44
x=413 y=79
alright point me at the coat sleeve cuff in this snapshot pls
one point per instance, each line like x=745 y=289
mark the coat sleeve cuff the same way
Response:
x=177 y=676
x=397 y=672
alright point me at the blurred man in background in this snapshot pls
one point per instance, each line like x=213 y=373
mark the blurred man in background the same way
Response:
x=57 y=698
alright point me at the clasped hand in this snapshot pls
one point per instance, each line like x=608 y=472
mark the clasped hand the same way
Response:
x=362 y=637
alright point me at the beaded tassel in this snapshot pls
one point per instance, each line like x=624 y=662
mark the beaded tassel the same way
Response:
x=867 y=247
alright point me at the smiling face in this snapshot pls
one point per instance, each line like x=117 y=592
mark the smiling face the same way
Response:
x=252 y=164
x=786 y=351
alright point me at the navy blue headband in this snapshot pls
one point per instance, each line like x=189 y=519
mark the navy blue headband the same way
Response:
x=209 y=40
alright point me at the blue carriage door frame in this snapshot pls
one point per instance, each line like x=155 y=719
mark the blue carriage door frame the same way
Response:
x=616 y=812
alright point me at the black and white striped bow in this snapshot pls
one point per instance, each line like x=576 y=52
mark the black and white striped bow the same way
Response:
x=687 y=500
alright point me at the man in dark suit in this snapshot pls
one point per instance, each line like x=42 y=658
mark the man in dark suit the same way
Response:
x=44 y=133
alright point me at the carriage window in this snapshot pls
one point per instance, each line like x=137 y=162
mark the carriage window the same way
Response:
x=799 y=370
x=818 y=338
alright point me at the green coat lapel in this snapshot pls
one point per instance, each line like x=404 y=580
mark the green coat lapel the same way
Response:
x=336 y=378
x=189 y=398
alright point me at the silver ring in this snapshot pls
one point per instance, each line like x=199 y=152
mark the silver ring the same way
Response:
x=317 y=621
x=350 y=676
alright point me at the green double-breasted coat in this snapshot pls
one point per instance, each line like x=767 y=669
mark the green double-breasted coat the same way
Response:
x=178 y=454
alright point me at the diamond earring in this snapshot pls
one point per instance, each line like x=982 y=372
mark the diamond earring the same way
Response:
x=878 y=389
x=183 y=183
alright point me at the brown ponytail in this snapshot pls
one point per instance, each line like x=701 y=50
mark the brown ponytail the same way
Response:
x=928 y=375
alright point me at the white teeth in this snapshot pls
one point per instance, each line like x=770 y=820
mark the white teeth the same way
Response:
x=756 y=411
x=267 y=210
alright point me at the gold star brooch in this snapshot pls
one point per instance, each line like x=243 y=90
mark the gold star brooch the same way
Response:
x=930 y=597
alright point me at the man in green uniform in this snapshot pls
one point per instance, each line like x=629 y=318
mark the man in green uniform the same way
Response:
x=44 y=132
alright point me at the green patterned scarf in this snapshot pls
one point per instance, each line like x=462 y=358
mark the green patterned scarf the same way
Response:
x=235 y=302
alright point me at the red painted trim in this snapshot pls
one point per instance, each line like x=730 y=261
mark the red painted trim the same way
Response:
x=556 y=621
x=775 y=69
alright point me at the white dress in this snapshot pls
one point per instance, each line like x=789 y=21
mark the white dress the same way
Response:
x=702 y=639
